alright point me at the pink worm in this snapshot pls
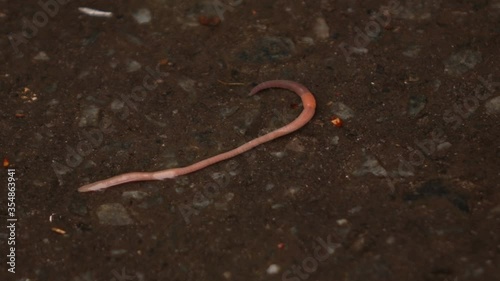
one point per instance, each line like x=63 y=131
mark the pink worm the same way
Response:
x=308 y=102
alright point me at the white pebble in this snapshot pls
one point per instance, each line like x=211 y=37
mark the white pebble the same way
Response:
x=142 y=16
x=41 y=56
x=341 y=222
x=273 y=269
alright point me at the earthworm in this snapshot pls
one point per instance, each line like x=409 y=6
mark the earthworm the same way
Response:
x=309 y=104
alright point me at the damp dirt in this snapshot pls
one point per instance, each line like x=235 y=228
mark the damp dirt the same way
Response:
x=396 y=177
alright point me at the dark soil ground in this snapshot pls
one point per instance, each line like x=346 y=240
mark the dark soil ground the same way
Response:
x=406 y=189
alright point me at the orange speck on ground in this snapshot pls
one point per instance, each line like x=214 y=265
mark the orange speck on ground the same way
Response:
x=337 y=122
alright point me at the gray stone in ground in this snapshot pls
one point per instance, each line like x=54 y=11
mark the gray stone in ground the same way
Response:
x=443 y=146
x=370 y=166
x=412 y=51
x=142 y=16
x=188 y=85
x=335 y=140
x=295 y=145
x=89 y=116
x=403 y=172
x=228 y=111
x=41 y=56
x=306 y=41
x=118 y=252
x=134 y=194
x=416 y=104
x=133 y=66
x=277 y=206
x=342 y=110
x=113 y=214
x=493 y=106
x=117 y=105
x=133 y=39
x=461 y=62
x=201 y=201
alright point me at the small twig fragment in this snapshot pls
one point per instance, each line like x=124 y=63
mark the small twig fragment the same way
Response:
x=231 y=83
x=58 y=230
x=95 y=13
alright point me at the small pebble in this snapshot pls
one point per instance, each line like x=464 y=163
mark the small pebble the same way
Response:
x=277 y=206
x=335 y=140
x=359 y=243
x=273 y=269
x=42 y=56
x=118 y=252
x=227 y=275
x=83 y=74
x=307 y=41
x=342 y=222
x=372 y=166
x=390 y=240
x=228 y=111
x=355 y=210
x=200 y=201
x=292 y=190
x=416 y=104
x=279 y=154
x=134 y=194
x=113 y=214
x=133 y=66
x=229 y=196
x=412 y=51
x=142 y=16
x=443 y=146
x=295 y=145
x=343 y=111
x=89 y=116
x=461 y=62
x=117 y=105
x=493 y=106
x=187 y=85
x=357 y=50
x=321 y=29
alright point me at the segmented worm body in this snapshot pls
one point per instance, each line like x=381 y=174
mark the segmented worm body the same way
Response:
x=309 y=104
